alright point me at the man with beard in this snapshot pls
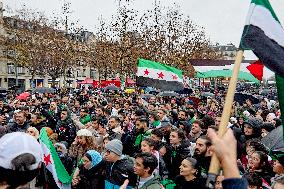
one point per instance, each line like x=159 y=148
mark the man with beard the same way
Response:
x=52 y=114
x=20 y=124
x=203 y=154
x=100 y=114
x=196 y=130
x=182 y=116
x=132 y=141
x=114 y=128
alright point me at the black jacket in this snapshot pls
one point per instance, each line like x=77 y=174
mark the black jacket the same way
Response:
x=92 y=178
x=118 y=172
x=174 y=157
x=66 y=131
x=197 y=183
x=14 y=127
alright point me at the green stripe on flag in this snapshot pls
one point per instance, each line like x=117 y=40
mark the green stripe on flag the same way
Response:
x=280 y=91
x=266 y=4
x=159 y=66
x=62 y=174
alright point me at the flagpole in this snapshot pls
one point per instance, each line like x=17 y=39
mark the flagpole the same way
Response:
x=215 y=164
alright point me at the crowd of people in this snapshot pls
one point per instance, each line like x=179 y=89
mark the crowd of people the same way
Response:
x=111 y=139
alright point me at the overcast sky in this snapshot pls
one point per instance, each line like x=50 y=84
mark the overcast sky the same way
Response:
x=223 y=20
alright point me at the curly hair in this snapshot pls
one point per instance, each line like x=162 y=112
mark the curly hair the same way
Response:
x=257 y=145
x=91 y=142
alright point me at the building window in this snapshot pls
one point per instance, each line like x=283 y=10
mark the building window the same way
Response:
x=93 y=73
x=21 y=70
x=11 y=69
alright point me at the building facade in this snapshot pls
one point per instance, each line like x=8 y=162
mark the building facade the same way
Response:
x=227 y=52
x=12 y=74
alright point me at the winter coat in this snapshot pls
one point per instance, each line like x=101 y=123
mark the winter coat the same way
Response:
x=66 y=131
x=51 y=118
x=161 y=169
x=118 y=172
x=174 y=156
x=115 y=133
x=197 y=183
x=91 y=178
x=131 y=141
x=153 y=183
x=14 y=127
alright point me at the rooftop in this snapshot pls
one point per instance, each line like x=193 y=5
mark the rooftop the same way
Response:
x=209 y=62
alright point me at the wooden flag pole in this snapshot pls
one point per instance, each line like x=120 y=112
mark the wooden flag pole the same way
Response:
x=215 y=164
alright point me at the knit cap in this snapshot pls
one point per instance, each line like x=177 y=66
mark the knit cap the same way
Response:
x=115 y=146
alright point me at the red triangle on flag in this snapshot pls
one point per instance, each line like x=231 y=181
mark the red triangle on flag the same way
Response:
x=256 y=69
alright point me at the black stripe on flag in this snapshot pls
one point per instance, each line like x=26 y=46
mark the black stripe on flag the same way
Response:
x=267 y=50
x=159 y=84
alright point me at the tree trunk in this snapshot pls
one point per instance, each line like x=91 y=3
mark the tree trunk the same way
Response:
x=53 y=82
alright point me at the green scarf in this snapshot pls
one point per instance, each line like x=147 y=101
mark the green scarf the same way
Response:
x=140 y=137
x=156 y=123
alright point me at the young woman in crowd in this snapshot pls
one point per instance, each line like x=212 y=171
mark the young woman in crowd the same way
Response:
x=89 y=173
x=188 y=177
x=149 y=145
x=84 y=141
x=176 y=151
x=258 y=163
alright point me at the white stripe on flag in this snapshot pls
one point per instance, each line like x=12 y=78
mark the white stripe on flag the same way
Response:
x=51 y=167
x=153 y=73
x=261 y=17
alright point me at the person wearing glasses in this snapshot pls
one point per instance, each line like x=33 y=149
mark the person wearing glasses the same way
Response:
x=118 y=168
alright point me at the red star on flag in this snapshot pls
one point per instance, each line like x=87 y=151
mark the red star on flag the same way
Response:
x=174 y=77
x=161 y=75
x=146 y=72
x=46 y=159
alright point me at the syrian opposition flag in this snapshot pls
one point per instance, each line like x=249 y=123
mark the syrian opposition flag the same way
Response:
x=264 y=35
x=160 y=76
x=53 y=163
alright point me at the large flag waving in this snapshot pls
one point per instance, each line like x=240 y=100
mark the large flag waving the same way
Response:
x=160 y=76
x=53 y=163
x=264 y=35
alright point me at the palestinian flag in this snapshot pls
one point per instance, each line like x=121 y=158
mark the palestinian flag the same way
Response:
x=160 y=76
x=53 y=163
x=256 y=69
x=264 y=35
